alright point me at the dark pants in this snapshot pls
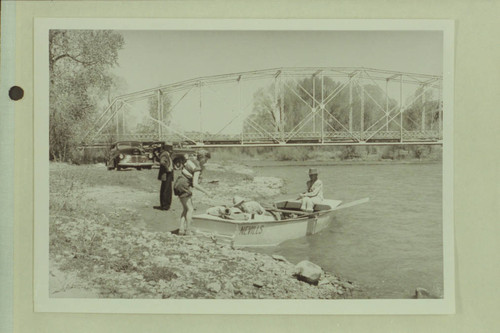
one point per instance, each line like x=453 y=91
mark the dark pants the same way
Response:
x=166 y=191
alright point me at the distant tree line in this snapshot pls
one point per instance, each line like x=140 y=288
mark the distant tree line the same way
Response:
x=312 y=154
x=269 y=105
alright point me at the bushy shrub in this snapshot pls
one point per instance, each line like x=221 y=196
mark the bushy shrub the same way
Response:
x=349 y=153
x=90 y=156
x=233 y=153
x=434 y=153
x=293 y=154
x=222 y=155
x=373 y=150
x=418 y=152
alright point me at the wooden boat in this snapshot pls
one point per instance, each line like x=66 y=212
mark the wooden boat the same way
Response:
x=266 y=230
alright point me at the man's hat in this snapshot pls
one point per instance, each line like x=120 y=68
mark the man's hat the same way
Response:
x=313 y=171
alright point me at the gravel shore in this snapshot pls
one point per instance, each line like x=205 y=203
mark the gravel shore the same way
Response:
x=106 y=241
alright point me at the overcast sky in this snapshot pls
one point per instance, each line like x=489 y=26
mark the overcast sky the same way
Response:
x=150 y=58
x=153 y=58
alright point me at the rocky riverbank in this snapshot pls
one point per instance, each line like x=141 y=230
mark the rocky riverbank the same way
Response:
x=102 y=243
x=125 y=262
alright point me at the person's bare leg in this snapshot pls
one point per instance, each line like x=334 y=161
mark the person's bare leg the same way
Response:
x=189 y=215
x=183 y=227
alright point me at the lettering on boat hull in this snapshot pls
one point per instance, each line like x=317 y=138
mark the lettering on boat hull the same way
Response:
x=250 y=229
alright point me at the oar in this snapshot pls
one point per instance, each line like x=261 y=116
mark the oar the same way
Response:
x=298 y=212
x=352 y=203
x=273 y=208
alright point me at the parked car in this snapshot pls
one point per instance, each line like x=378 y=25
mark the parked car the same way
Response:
x=179 y=153
x=153 y=149
x=129 y=154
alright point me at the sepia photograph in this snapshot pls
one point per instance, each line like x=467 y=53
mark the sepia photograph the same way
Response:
x=191 y=160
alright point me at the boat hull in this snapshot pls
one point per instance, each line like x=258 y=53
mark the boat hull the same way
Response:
x=260 y=233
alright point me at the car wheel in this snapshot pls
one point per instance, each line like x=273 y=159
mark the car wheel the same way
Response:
x=139 y=168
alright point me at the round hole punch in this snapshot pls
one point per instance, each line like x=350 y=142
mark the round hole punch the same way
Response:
x=16 y=93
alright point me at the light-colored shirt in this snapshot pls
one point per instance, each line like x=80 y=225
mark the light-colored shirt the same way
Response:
x=315 y=190
x=252 y=207
x=217 y=210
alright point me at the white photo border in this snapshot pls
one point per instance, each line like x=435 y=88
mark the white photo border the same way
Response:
x=42 y=301
x=7 y=153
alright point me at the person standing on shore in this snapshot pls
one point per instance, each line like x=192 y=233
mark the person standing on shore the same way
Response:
x=166 y=176
x=188 y=179
x=314 y=193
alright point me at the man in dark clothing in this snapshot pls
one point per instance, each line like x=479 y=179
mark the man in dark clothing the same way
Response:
x=166 y=175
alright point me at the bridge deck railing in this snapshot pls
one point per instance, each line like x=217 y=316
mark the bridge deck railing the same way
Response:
x=277 y=137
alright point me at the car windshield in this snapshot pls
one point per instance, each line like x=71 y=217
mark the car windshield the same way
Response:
x=151 y=144
x=128 y=145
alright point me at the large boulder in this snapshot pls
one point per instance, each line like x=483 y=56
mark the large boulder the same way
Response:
x=279 y=258
x=308 y=272
x=423 y=293
x=214 y=287
x=258 y=283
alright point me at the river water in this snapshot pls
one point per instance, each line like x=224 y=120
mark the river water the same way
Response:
x=390 y=245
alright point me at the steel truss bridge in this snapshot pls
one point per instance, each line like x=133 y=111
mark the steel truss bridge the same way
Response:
x=364 y=120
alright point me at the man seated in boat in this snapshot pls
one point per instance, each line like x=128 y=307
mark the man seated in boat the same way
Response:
x=314 y=193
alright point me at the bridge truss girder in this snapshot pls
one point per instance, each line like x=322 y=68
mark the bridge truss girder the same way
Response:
x=332 y=130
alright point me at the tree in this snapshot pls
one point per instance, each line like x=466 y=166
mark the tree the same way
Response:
x=150 y=126
x=265 y=113
x=298 y=103
x=79 y=64
x=414 y=116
